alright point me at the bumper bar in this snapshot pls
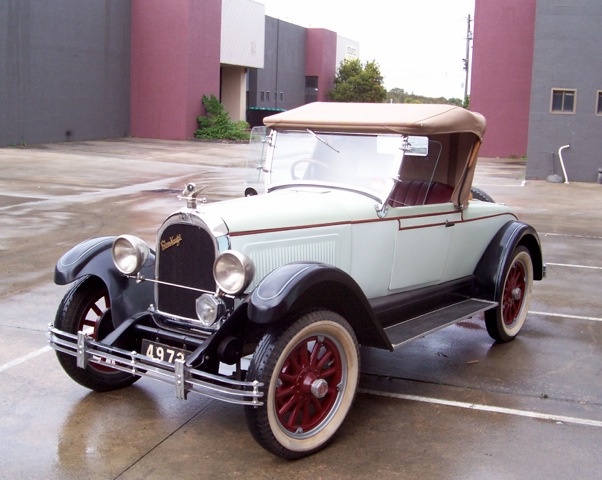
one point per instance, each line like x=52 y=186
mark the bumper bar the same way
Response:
x=178 y=374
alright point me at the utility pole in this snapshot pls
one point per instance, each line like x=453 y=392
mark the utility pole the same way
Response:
x=467 y=60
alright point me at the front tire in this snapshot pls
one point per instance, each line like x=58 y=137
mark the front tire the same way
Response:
x=310 y=371
x=87 y=307
x=506 y=320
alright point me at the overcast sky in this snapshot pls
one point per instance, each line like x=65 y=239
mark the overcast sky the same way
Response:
x=418 y=44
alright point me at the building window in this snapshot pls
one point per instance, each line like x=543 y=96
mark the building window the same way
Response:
x=599 y=103
x=563 y=101
x=311 y=89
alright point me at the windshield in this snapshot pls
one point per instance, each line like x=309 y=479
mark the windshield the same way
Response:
x=366 y=163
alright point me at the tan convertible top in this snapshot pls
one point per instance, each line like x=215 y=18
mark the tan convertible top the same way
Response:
x=411 y=119
x=458 y=131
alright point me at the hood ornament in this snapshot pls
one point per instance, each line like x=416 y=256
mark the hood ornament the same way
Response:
x=190 y=194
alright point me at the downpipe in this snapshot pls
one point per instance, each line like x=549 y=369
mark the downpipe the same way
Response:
x=566 y=179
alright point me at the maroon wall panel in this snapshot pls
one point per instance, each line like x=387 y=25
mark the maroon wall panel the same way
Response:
x=321 y=58
x=175 y=59
x=501 y=73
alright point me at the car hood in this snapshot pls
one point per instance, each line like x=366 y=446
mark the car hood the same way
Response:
x=292 y=207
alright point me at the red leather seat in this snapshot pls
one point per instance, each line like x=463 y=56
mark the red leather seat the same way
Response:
x=419 y=192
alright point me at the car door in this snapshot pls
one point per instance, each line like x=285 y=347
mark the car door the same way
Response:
x=422 y=244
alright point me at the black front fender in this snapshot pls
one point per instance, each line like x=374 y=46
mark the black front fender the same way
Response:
x=93 y=258
x=302 y=286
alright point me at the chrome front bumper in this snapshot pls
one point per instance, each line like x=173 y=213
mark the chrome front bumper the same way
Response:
x=182 y=377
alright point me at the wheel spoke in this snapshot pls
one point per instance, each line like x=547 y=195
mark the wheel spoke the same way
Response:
x=287 y=378
x=317 y=405
x=86 y=322
x=306 y=414
x=303 y=352
x=282 y=393
x=316 y=351
x=288 y=405
x=325 y=359
x=292 y=362
x=328 y=373
x=294 y=415
x=514 y=277
x=96 y=309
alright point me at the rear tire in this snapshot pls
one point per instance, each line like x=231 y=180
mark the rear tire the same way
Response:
x=87 y=307
x=506 y=320
x=310 y=371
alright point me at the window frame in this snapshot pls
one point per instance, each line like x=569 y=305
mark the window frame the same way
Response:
x=563 y=90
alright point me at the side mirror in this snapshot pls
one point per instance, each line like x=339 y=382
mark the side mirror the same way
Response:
x=416 y=146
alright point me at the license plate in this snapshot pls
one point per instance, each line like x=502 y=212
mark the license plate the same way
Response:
x=160 y=351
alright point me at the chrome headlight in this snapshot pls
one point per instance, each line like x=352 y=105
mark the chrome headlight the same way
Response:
x=129 y=253
x=233 y=272
x=209 y=309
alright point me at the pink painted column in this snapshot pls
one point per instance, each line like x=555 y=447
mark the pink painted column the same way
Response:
x=504 y=32
x=321 y=58
x=175 y=59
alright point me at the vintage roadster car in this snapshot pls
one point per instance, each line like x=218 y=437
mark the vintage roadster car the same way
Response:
x=365 y=232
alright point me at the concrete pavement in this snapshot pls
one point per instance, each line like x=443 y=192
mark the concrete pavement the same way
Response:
x=450 y=405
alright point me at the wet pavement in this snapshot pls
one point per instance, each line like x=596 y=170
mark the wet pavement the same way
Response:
x=450 y=405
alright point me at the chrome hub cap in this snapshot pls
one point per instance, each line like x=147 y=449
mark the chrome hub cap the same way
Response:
x=319 y=388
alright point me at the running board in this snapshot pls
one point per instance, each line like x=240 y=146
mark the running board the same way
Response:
x=418 y=327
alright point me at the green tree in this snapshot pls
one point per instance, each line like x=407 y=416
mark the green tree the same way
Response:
x=399 y=95
x=356 y=82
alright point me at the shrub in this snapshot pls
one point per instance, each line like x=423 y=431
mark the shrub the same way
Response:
x=216 y=124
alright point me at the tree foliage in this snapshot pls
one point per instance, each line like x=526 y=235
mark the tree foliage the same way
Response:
x=216 y=124
x=399 y=95
x=356 y=82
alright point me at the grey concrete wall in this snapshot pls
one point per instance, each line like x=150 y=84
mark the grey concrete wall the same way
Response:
x=64 y=70
x=284 y=67
x=291 y=65
x=566 y=56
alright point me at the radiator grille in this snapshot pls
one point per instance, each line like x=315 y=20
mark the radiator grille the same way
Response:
x=185 y=256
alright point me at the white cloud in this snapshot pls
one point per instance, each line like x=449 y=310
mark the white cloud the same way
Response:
x=419 y=45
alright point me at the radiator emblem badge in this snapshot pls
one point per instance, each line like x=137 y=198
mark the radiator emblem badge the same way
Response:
x=173 y=241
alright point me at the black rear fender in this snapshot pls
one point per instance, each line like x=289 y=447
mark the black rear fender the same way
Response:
x=93 y=258
x=299 y=287
x=492 y=264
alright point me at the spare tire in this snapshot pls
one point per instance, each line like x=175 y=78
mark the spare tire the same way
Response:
x=479 y=194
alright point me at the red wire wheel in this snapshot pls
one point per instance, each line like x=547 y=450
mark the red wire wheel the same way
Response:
x=308 y=384
x=87 y=307
x=514 y=293
x=505 y=321
x=95 y=311
x=310 y=372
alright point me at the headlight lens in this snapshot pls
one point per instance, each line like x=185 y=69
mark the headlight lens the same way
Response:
x=233 y=272
x=209 y=309
x=129 y=253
